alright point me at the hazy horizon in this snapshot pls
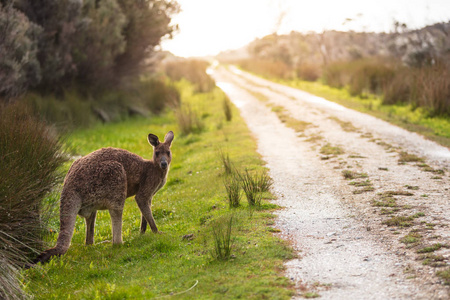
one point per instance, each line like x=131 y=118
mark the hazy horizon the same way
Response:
x=208 y=27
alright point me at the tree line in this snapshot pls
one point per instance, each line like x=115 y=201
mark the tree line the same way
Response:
x=48 y=45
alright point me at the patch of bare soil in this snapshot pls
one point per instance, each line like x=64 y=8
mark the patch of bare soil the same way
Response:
x=366 y=204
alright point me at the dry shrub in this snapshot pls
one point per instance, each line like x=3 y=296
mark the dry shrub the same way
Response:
x=30 y=156
x=188 y=120
x=308 y=72
x=193 y=71
x=268 y=68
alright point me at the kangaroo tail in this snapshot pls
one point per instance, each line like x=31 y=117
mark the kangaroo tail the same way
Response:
x=68 y=215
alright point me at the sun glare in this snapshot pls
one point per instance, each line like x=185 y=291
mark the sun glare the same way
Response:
x=210 y=26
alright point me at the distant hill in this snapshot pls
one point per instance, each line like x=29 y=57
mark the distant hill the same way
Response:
x=413 y=47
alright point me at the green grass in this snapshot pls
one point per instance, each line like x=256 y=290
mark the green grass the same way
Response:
x=155 y=265
x=406 y=116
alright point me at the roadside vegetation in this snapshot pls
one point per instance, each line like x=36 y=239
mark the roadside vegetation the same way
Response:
x=401 y=77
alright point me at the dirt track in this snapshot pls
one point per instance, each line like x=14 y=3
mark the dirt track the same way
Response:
x=336 y=224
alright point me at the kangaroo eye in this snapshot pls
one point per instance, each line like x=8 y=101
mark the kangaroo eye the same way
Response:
x=168 y=152
x=157 y=153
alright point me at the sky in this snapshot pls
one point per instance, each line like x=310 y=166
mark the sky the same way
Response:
x=207 y=27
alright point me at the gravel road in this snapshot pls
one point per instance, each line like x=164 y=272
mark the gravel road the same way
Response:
x=383 y=232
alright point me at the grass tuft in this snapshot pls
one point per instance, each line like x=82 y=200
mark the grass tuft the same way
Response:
x=221 y=230
x=328 y=149
x=254 y=185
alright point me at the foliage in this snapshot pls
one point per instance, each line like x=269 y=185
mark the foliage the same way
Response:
x=30 y=155
x=191 y=70
x=89 y=45
x=141 y=96
x=148 y=21
x=99 y=42
x=60 y=21
x=19 y=67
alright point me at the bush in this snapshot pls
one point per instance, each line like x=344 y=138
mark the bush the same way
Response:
x=193 y=71
x=188 y=120
x=308 y=72
x=157 y=93
x=31 y=155
x=268 y=68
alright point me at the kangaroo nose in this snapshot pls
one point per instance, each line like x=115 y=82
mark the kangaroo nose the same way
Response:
x=164 y=164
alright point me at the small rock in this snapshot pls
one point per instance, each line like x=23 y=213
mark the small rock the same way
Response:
x=188 y=237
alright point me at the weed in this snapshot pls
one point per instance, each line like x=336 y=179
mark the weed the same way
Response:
x=314 y=138
x=328 y=149
x=310 y=295
x=400 y=221
x=297 y=125
x=444 y=275
x=227 y=108
x=254 y=185
x=346 y=126
x=407 y=157
x=433 y=260
x=348 y=174
x=412 y=187
x=431 y=248
x=395 y=193
x=233 y=188
x=221 y=231
x=411 y=238
x=227 y=164
x=367 y=182
x=364 y=190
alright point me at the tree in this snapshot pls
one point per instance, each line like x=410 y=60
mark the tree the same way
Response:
x=19 y=67
x=60 y=20
x=148 y=21
x=99 y=42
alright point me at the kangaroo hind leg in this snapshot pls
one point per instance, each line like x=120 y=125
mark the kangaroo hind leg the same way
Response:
x=90 y=228
x=116 y=222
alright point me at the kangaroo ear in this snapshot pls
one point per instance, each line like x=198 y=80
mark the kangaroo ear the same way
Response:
x=169 y=138
x=153 y=140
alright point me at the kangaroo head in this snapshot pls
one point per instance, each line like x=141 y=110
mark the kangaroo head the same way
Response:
x=161 y=152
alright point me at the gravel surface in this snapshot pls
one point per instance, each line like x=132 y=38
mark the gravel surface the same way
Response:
x=337 y=225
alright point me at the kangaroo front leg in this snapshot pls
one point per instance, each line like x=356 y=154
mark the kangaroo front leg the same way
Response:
x=143 y=224
x=116 y=222
x=90 y=228
x=146 y=212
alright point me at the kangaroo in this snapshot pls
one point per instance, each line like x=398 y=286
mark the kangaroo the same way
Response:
x=103 y=180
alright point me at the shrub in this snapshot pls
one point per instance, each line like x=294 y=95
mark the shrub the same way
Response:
x=188 y=120
x=308 y=72
x=31 y=155
x=157 y=93
x=268 y=68
x=192 y=70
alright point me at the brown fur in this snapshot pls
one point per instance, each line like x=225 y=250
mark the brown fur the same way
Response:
x=102 y=180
